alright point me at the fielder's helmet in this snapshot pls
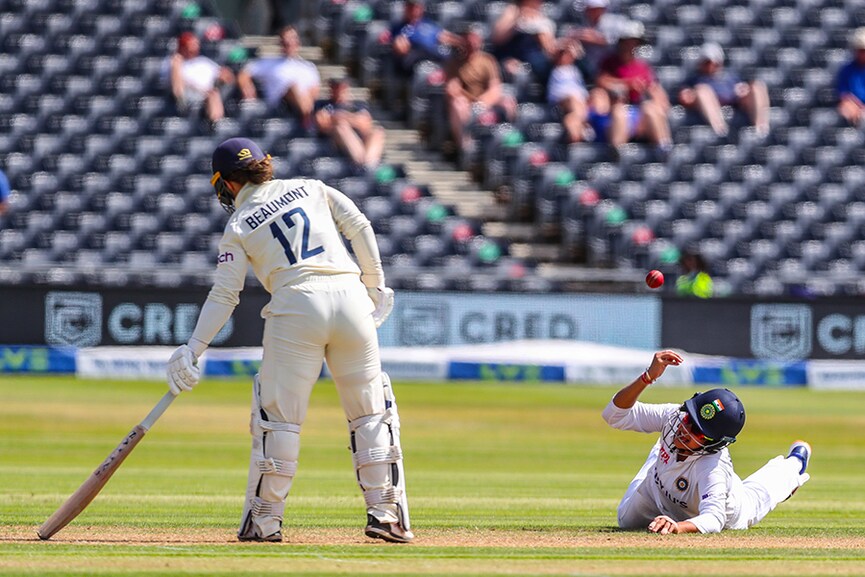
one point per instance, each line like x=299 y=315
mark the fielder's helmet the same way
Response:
x=718 y=414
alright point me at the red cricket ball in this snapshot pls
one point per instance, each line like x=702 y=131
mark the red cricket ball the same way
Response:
x=654 y=279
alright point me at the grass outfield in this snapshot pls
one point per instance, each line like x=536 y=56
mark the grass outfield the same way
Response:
x=503 y=479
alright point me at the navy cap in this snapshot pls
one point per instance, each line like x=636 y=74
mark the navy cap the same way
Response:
x=235 y=154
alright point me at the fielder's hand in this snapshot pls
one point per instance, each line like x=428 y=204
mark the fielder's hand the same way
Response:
x=183 y=371
x=661 y=361
x=382 y=298
x=663 y=525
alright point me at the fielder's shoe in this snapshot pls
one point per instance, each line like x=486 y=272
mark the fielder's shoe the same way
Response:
x=802 y=451
x=392 y=532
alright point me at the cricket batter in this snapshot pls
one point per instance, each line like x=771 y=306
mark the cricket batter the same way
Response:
x=322 y=306
x=687 y=484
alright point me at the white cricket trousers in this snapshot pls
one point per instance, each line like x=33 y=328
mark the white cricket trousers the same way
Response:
x=768 y=486
x=323 y=317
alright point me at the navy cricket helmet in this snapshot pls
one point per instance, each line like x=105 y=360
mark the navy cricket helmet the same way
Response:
x=231 y=156
x=718 y=414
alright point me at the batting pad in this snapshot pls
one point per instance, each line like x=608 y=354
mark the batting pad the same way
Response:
x=378 y=462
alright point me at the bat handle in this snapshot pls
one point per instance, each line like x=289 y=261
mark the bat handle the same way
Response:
x=157 y=411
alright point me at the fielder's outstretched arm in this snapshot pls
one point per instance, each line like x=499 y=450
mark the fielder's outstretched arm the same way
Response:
x=627 y=397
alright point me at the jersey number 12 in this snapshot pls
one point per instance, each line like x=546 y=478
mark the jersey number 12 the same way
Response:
x=305 y=251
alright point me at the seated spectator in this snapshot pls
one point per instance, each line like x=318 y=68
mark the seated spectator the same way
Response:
x=624 y=72
x=713 y=86
x=474 y=86
x=350 y=125
x=598 y=35
x=195 y=79
x=566 y=90
x=287 y=80
x=628 y=103
x=523 y=35
x=5 y=191
x=616 y=122
x=850 y=82
x=416 y=38
x=694 y=280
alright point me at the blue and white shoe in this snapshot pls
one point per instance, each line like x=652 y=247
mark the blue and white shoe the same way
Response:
x=802 y=451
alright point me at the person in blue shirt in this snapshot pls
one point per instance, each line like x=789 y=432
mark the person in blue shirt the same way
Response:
x=5 y=191
x=850 y=83
x=713 y=86
x=417 y=38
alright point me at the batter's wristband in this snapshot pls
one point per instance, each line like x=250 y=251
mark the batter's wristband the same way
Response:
x=647 y=378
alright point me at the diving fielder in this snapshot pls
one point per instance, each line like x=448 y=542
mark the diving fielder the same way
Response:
x=322 y=306
x=687 y=484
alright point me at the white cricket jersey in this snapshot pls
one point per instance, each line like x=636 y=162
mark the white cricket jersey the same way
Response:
x=286 y=230
x=702 y=489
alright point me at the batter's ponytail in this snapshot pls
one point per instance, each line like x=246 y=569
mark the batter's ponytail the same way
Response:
x=256 y=172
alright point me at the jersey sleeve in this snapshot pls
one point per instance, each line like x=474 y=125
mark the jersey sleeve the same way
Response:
x=347 y=216
x=642 y=417
x=713 y=500
x=224 y=296
x=354 y=226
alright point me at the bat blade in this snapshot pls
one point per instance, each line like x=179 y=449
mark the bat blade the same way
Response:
x=88 y=490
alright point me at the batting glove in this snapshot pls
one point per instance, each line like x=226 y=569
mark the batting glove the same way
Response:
x=382 y=298
x=183 y=371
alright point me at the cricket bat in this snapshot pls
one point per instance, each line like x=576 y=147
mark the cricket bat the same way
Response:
x=88 y=490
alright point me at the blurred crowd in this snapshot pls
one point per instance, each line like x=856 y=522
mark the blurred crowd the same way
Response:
x=288 y=85
x=594 y=77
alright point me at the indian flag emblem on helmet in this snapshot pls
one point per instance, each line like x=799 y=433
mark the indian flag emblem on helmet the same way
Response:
x=709 y=410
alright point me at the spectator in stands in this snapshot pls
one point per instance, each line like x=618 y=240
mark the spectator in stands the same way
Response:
x=628 y=102
x=5 y=191
x=567 y=92
x=850 y=82
x=598 y=35
x=418 y=38
x=694 y=280
x=624 y=72
x=195 y=79
x=524 y=36
x=286 y=80
x=713 y=86
x=349 y=123
x=474 y=86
